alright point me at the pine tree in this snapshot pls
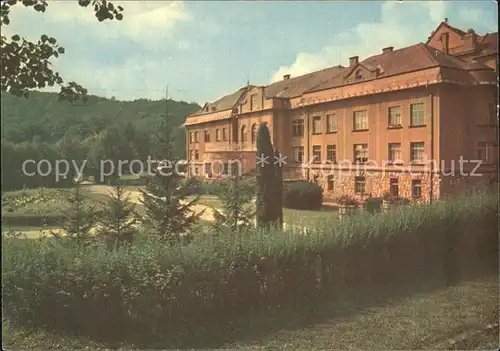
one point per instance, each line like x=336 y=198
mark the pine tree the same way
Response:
x=265 y=177
x=119 y=217
x=80 y=216
x=167 y=210
x=236 y=212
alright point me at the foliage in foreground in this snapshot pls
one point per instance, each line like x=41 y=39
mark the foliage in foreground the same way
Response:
x=27 y=65
x=152 y=287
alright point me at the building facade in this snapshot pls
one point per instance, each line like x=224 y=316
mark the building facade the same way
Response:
x=418 y=122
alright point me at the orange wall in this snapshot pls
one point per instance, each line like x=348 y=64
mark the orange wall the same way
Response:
x=377 y=137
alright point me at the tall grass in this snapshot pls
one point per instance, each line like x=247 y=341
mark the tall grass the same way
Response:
x=152 y=288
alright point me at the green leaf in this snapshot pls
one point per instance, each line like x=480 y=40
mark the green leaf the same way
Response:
x=16 y=37
x=60 y=50
x=119 y=16
x=44 y=38
x=52 y=40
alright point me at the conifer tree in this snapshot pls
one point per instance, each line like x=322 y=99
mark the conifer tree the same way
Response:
x=265 y=177
x=236 y=212
x=278 y=192
x=168 y=212
x=80 y=216
x=117 y=223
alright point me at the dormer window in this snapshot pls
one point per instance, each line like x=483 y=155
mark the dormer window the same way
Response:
x=358 y=74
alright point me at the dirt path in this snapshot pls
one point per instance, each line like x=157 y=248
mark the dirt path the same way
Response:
x=136 y=196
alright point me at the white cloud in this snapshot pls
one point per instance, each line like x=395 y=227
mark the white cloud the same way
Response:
x=148 y=22
x=401 y=24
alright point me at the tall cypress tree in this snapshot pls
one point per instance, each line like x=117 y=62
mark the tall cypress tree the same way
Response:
x=265 y=177
x=278 y=192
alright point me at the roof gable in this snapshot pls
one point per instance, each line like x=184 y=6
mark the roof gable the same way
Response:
x=361 y=71
x=442 y=28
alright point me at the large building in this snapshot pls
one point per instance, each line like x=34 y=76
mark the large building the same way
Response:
x=399 y=122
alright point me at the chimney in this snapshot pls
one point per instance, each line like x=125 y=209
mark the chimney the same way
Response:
x=286 y=77
x=353 y=61
x=446 y=20
x=387 y=49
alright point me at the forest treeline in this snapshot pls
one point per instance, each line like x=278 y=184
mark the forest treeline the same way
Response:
x=42 y=127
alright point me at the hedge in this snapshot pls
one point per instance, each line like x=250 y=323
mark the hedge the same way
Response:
x=30 y=219
x=302 y=195
x=151 y=288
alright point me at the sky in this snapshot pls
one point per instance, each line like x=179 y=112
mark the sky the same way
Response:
x=206 y=49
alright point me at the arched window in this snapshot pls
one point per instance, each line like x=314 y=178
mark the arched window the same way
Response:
x=244 y=138
x=254 y=134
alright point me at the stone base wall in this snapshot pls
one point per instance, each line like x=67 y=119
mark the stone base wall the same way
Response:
x=377 y=184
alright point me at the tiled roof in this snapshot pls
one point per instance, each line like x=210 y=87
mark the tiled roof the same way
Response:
x=298 y=85
x=224 y=103
x=488 y=44
x=412 y=58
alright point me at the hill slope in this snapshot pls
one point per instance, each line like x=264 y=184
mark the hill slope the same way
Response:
x=44 y=116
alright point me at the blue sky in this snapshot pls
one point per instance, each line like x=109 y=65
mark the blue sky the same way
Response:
x=204 y=50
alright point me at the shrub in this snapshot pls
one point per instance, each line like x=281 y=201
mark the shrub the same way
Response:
x=373 y=205
x=194 y=186
x=346 y=200
x=302 y=195
x=154 y=288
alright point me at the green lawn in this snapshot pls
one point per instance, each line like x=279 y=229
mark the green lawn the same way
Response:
x=289 y=215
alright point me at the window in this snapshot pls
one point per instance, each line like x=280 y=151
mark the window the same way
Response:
x=298 y=128
x=224 y=134
x=331 y=153
x=196 y=140
x=191 y=137
x=196 y=155
x=217 y=135
x=395 y=116
x=235 y=168
x=486 y=152
x=316 y=125
x=254 y=133
x=359 y=185
x=358 y=74
x=244 y=138
x=298 y=154
x=208 y=169
x=394 y=187
x=316 y=153
x=361 y=153
x=207 y=136
x=416 y=188
x=331 y=123
x=191 y=155
x=225 y=168
x=417 y=152
x=395 y=153
x=253 y=101
x=360 y=120
x=417 y=114
x=330 y=183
